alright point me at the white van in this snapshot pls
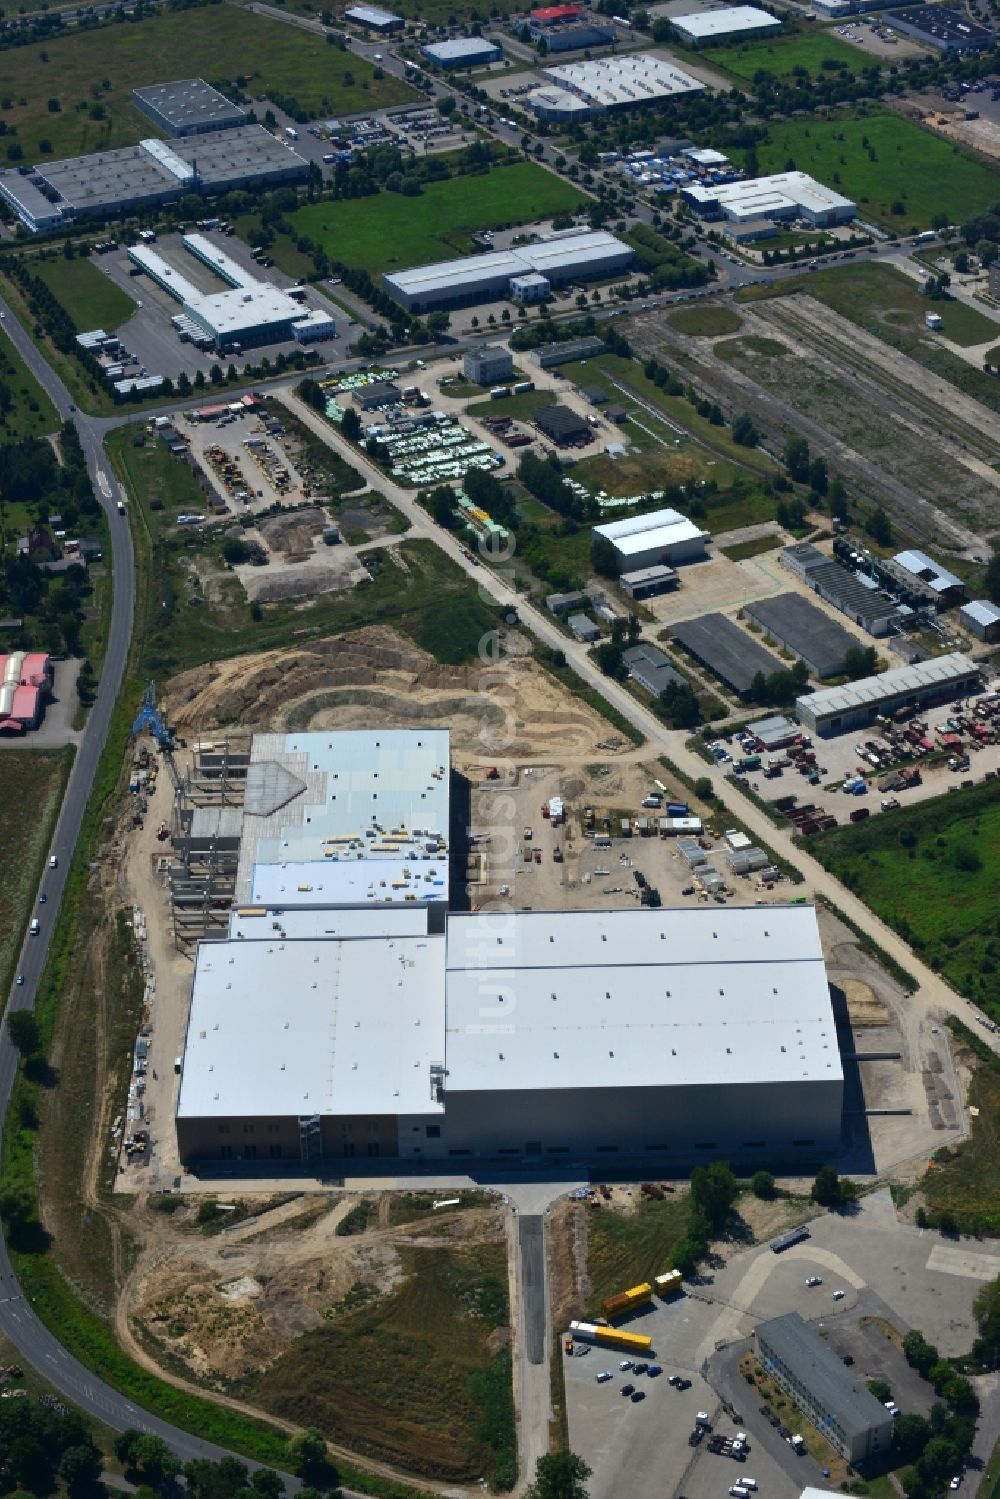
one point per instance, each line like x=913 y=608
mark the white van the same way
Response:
x=749 y=1483
x=35 y=927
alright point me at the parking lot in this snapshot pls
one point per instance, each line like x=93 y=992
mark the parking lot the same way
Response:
x=892 y=1274
x=249 y=466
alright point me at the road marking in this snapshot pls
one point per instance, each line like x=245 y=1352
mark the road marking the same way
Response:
x=964 y=1262
x=103 y=482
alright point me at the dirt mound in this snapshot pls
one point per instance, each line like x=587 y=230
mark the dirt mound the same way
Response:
x=375 y=677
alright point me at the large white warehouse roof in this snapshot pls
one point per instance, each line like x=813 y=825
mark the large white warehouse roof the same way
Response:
x=636 y=78
x=641 y=533
x=636 y=999
x=574 y=248
x=760 y=196
x=705 y=24
x=290 y=1028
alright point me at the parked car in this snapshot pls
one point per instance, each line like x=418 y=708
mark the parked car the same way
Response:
x=603 y=1376
x=838 y=1295
x=815 y=1280
x=627 y=1389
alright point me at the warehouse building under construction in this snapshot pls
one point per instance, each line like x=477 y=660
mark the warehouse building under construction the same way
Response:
x=342 y=1011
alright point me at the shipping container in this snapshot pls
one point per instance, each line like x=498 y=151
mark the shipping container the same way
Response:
x=627 y=1301
x=668 y=1284
x=611 y=1337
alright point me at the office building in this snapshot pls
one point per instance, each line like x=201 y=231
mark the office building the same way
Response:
x=833 y=1396
x=924 y=684
x=488 y=365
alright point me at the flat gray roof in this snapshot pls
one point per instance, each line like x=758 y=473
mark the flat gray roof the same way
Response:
x=223 y=156
x=575 y=247
x=290 y=1028
x=804 y=629
x=733 y=655
x=107 y=178
x=575 y=999
x=857 y=596
x=188 y=104
x=837 y=1389
x=939 y=671
x=648 y=664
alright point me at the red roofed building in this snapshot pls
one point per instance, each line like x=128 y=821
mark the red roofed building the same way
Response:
x=25 y=681
x=26 y=707
x=551 y=15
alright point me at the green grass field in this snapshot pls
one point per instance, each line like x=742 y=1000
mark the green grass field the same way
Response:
x=930 y=871
x=809 y=50
x=900 y=164
x=387 y=232
x=413 y=1376
x=31 y=788
x=430 y=12
x=95 y=71
x=91 y=298
x=25 y=409
x=709 y=321
x=875 y=294
x=963 y=1181
x=624 y=1249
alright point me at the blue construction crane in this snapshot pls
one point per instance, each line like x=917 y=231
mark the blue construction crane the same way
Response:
x=150 y=717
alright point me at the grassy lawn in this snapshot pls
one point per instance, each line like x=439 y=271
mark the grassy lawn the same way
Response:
x=624 y=1249
x=420 y=1376
x=95 y=71
x=750 y=345
x=889 y=305
x=740 y=551
x=91 y=298
x=709 y=321
x=962 y=1180
x=430 y=12
x=879 y=159
x=386 y=232
x=521 y=407
x=809 y=50
x=930 y=871
x=432 y=601
x=28 y=412
x=33 y=780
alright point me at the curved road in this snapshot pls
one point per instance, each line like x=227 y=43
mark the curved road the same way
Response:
x=18 y=1322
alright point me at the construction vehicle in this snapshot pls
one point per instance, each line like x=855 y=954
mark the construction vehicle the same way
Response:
x=627 y=1301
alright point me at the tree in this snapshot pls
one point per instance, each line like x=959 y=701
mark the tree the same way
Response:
x=608 y=656
x=991 y=582
x=879 y=1389
x=679 y=705
x=16 y=1207
x=306 y=1452
x=818 y=477
x=910 y=1435
x=441 y=504
x=351 y=424
x=860 y=661
x=703 y=789
x=713 y=1191
x=986 y=1307
x=437 y=322
x=24 y=1033
x=604 y=558
x=235 y=550
x=795 y=456
x=762 y=1184
x=744 y=431
x=919 y=1354
x=560 y=1475
x=878 y=527
x=123 y=1444
x=151 y=1455
x=268 y=1483
x=826 y=1187
x=80 y=1468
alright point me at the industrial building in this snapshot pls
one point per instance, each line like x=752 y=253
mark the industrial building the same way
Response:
x=944 y=586
x=35 y=211
x=834 y=1397
x=604 y=83
x=660 y=536
x=344 y=1013
x=940 y=26
x=791 y=621
x=784 y=195
x=371 y=18
x=709 y=27
x=651 y=668
x=724 y=648
x=647 y=582
x=924 y=684
x=462 y=52
x=107 y=183
x=187 y=107
x=572 y=255
x=561 y=425
x=584 y=628
x=567 y=350
x=488 y=365
x=568 y=28
x=247 y=314
x=982 y=619
x=776 y=731
x=854 y=594
x=532 y=287
x=25 y=683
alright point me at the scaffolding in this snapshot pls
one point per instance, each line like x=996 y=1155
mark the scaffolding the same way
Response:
x=206 y=833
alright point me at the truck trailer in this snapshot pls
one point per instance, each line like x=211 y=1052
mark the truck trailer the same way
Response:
x=611 y=1337
x=668 y=1284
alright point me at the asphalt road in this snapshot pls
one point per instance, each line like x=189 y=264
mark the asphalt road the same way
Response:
x=531 y=1245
